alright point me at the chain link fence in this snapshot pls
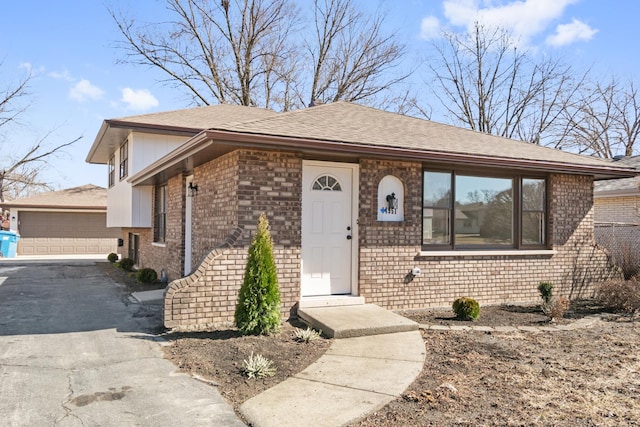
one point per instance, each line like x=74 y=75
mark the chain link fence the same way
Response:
x=622 y=240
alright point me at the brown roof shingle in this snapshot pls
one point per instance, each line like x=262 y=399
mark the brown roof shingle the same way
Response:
x=356 y=124
x=84 y=197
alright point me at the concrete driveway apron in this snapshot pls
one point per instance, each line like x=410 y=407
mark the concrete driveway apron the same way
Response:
x=75 y=352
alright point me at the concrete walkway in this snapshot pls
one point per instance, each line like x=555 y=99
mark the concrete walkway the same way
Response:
x=355 y=377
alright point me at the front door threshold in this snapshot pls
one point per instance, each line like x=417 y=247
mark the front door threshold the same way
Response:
x=330 y=301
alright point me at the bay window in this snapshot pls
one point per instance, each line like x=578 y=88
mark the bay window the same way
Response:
x=463 y=210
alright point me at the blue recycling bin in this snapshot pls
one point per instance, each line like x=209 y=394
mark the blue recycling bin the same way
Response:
x=8 y=243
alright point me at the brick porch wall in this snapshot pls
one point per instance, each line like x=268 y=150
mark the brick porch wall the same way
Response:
x=233 y=191
x=389 y=251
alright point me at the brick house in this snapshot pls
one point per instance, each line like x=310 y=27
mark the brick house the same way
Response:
x=618 y=200
x=358 y=201
x=616 y=206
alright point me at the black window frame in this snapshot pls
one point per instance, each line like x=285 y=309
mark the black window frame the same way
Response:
x=517 y=213
x=161 y=205
x=124 y=160
x=112 y=170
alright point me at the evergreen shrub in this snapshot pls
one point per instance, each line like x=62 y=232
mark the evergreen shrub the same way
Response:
x=258 y=308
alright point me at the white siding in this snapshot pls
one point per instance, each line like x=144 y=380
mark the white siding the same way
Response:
x=132 y=207
x=147 y=148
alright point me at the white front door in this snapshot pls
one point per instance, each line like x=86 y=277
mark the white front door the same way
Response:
x=329 y=242
x=188 y=214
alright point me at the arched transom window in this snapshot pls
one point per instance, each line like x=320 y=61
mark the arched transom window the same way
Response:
x=326 y=183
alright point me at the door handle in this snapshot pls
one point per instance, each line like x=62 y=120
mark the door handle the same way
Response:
x=349 y=237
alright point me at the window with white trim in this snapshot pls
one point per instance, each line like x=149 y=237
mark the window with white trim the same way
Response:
x=326 y=183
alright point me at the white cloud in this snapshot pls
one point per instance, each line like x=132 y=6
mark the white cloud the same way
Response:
x=429 y=28
x=569 y=33
x=523 y=18
x=138 y=100
x=61 y=75
x=84 y=90
x=28 y=67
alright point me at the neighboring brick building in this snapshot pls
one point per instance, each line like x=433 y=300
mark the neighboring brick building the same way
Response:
x=357 y=199
x=617 y=217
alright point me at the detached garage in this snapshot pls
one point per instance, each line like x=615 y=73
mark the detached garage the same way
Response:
x=66 y=222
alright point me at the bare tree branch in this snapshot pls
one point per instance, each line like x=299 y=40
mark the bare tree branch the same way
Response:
x=22 y=174
x=353 y=60
x=485 y=82
x=249 y=52
x=10 y=108
x=605 y=122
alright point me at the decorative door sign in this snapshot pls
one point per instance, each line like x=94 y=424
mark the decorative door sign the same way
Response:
x=390 y=199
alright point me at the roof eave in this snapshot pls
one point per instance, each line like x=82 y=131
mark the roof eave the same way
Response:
x=251 y=140
x=268 y=141
x=107 y=130
x=9 y=205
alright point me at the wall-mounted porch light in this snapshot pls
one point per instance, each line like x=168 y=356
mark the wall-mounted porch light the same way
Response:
x=192 y=190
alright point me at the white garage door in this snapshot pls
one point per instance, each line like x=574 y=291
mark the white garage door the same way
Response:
x=65 y=233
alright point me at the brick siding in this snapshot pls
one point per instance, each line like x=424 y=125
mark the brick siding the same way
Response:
x=389 y=251
x=617 y=209
x=232 y=193
x=237 y=187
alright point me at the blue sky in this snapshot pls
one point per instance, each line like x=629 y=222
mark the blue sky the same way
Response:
x=69 y=47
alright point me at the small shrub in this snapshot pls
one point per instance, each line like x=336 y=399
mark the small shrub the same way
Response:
x=112 y=257
x=466 y=308
x=628 y=260
x=126 y=264
x=555 y=307
x=258 y=366
x=546 y=291
x=258 y=308
x=306 y=335
x=620 y=295
x=147 y=275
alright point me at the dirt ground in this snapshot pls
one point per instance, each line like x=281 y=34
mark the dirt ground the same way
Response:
x=584 y=377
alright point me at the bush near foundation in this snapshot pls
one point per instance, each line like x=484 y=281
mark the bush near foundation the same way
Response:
x=466 y=308
x=620 y=295
x=126 y=264
x=147 y=275
x=112 y=257
x=546 y=291
x=258 y=308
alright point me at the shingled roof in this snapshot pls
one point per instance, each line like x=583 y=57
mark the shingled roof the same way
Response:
x=348 y=130
x=84 y=197
x=622 y=186
x=355 y=124
x=186 y=122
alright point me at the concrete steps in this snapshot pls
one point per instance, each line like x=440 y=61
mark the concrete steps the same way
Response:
x=355 y=320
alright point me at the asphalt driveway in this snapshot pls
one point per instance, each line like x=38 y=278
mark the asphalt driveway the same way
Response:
x=74 y=351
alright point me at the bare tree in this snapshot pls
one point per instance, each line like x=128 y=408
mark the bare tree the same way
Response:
x=10 y=107
x=485 y=82
x=605 y=122
x=251 y=52
x=353 y=58
x=219 y=51
x=20 y=172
